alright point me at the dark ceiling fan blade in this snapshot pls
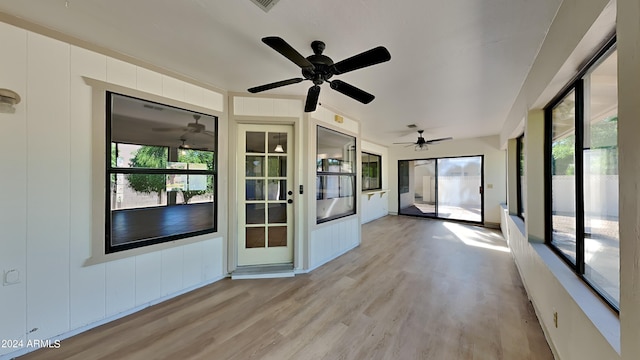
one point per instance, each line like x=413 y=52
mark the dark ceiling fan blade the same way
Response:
x=438 y=140
x=281 y=46
x=370 y=57
x=352 y=91
x=312 y=98
x=274 y=85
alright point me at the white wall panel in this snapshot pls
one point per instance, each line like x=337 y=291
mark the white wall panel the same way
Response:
x=148 y=277
x=553 y=287
x=13 y=222
x=192 y=270
x=213 y=100
x=333 y=239
x=121 y=73
x=172 y=260
x=172 y=88
x=45 y=218
x=193 y=94
x=48 y=180
x=120 y=285
x=259 y=106
x=149 y=81
x=87 y=283
x=212 y=255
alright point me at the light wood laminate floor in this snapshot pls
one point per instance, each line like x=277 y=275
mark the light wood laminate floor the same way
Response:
x=415 y=289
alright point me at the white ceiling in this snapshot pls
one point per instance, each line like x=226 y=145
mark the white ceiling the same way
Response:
x=456 y=66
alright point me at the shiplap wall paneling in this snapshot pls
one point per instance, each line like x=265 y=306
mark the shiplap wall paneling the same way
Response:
x=172 y=88
x=192 y=273
x=148 y=277
x=120 y=276
x=212 y=265
x=172 y=260
x=13 y=182
x=48 y=192
x=120 y=285
x=121 y=73
x=149 y=81
x=87 y=283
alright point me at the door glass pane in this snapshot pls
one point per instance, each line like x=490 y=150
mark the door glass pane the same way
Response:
x=277 y=213
x=563 y=190
x=459 y=193
x=419 y=197
x=277 y=236
x=254 y=166
x=255 y=189
x=255 y=142
x=255 y=214
x=277 y=166
x=275 y=139
x=601 y=233
x=277 y=190
x=255 y=237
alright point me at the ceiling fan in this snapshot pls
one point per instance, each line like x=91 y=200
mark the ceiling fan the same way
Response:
x=319 y=68
x=421 y=143
x=193 y=127
x=185 y=146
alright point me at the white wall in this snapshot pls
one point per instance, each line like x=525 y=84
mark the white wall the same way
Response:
x=333 y=238
x=552 y=287
x=46 y=207
x=494 y=169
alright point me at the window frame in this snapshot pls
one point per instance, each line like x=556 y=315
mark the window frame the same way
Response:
x=352 y=175
x=520 y=170
x=110 y=248
x=379 y=172
x=577 y=85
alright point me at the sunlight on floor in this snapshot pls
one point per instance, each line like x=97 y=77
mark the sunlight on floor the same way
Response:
x=476 y=238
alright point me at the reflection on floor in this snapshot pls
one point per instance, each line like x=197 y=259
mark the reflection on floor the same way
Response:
x=467 y=213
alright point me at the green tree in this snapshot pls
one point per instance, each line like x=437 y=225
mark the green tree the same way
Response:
x=197 y=157
x=154 y=157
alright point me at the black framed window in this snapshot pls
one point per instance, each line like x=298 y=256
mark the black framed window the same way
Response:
x=371 y=171
x=335 y=175
x=582 y=175
x=521 y=180
x=161 y=177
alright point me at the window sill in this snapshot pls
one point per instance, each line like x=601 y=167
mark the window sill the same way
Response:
x=371 y=193
x=600 y=314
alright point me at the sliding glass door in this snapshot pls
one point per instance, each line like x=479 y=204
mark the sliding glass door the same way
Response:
x=448 y=188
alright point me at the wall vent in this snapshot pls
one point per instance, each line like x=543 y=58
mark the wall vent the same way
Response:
x=265 y=5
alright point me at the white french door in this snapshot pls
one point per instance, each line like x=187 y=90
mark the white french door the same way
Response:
x=265 y=197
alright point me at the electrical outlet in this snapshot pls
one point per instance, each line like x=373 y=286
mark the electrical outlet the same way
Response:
x=555 y=319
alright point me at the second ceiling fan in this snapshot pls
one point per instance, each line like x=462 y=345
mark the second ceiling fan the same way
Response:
x=319 y=68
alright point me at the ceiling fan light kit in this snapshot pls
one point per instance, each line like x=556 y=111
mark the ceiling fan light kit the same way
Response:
x=8 y=98
x=319 y=68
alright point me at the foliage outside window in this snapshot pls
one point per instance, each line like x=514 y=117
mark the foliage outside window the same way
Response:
x=161 y=178
x=522 y=180
x=582 y=158
x=335 y=175
x=371 y=172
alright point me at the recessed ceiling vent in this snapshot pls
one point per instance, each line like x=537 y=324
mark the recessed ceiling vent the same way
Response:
x=265 y=5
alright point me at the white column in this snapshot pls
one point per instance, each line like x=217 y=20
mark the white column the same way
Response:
x=534 y=171
x=628 y=32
